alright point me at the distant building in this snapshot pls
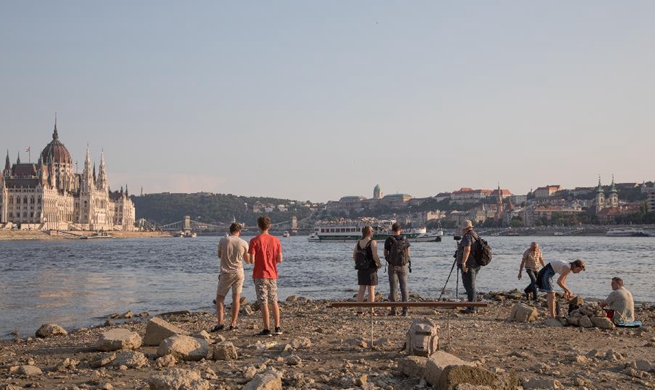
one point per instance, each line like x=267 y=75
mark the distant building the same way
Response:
x=546 y=192
x=50 y=195
x=377 y=192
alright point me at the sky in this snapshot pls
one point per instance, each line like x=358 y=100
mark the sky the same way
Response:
x=316 y=100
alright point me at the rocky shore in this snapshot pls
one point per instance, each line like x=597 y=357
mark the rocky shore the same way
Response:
x=506 y=345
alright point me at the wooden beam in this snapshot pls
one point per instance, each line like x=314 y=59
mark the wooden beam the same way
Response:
x=445 y=305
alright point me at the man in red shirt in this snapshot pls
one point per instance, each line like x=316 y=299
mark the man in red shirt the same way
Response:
x=265 y=253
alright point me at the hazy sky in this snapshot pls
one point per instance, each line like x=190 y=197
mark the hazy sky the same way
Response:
x=315 y=100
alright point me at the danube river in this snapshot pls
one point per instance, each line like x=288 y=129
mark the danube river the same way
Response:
x=79 y=282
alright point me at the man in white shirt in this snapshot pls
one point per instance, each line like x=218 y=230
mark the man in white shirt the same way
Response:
x=620 y=302
x=231 y=251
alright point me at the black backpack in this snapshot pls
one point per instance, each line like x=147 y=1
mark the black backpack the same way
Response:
x=362 y=258
x=482 y=252
x=398 y=251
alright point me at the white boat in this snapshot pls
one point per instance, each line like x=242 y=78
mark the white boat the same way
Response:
x=626 y=232
x=285 y=234
x=353 y=232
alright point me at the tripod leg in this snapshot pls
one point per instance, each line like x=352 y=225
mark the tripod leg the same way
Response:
x=447 y=279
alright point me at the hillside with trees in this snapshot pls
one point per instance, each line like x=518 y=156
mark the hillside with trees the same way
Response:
x=165 y=208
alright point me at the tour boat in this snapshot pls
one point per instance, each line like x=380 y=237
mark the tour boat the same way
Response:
x=626 y=232
x=353 y=232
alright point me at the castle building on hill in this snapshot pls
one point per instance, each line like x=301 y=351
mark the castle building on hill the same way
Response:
x=49 y=195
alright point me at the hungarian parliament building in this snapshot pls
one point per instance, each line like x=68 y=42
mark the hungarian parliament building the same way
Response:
x=49 y=195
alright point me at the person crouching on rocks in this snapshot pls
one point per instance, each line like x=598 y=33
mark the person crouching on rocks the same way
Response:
x=545 y=280
x=367 y=278
x=619 y=303
x=531 y=260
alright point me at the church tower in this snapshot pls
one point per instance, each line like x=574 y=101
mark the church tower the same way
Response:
x=499 y=204
x=613 y=200
x=600 y=196
x=101 y=183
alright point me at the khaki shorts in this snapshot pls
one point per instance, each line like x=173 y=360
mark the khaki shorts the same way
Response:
x=266 y=290
x=229 y=281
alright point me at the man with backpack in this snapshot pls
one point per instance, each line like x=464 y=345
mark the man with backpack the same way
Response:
x=467 y=264
x=396 y=252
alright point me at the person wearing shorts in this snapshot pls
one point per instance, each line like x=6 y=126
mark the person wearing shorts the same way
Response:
x=232 y=250
x=545 y=280
x=265 y=253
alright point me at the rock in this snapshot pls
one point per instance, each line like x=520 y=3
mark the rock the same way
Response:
x=127 y=315
x=438 y=362
x=602 y=322
x=28 y=370
x=467 y=386
x=50 y=330
x=578 y=301
x=453 y=376
x=158 y=330
x=413 y=366
x=574 y=320
x=116 y=339
x=539 y=383
x=184 y=348
x=249 y=373
x=644 y=365
x=553 y=322
x=581 y=359
x=301 y=342
x=130 y=359
x=245 y=310
x=178 y=379
x=166 y=361
x=362 y=380
x=611 y=355
x=523 y=313
x=585 y=322
x=203 y=335
x=102 y=360
x=293 y=360
x=268 y=380
x=292 y=298
x=7 y=386
x=224 y=351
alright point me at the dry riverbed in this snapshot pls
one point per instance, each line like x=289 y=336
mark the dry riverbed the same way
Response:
x=327 y=348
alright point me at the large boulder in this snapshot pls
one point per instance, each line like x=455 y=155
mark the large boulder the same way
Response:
x=438 y=362
x=523 y=313
x=158 y=330
x=224 y=351
x=28 y=370
x=268 y=380
x=541 y=383
x=130 y=359
x=413 y=366
x=184 y=348
x=453 y=377
x=602 y=322
x=116 y=339
x=178 y=379
x=50 y=330
x=585 y=322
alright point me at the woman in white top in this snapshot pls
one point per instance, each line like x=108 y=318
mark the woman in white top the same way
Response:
x=545 y=280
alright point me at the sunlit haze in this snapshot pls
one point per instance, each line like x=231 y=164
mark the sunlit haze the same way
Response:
x=319 y=100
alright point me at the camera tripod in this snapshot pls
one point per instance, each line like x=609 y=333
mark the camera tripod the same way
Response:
x=443 y=290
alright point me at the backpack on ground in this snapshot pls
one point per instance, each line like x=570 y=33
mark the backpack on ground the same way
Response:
x=422 y=338
x=398 y=251
x=362 y=258
x=482 y=253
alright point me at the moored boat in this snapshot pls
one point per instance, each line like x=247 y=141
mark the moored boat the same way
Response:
x=285 y=234
x=626 y=232
x=353 y=232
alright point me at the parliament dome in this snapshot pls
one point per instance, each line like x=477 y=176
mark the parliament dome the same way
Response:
x=56 y=150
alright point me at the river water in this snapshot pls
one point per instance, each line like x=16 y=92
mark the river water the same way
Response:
x=78 y=282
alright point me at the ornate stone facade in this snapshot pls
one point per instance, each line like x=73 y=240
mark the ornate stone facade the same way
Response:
x=50 y=195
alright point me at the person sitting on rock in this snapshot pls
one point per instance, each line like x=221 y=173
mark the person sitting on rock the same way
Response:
x=545 y=280
x=620 y=303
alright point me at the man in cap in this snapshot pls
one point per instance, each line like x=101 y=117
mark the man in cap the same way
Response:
x=466 y=263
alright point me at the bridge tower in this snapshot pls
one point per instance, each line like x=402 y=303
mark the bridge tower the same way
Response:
x=186 y=227
x=294 y=226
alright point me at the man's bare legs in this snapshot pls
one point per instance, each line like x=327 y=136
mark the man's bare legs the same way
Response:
x=236 y=305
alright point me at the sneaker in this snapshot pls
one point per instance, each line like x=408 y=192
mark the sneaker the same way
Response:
x=468 y=310
x=217 y=328
x=404 y=314
x=233 y=327
x=265 y=332
x=277 y=331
